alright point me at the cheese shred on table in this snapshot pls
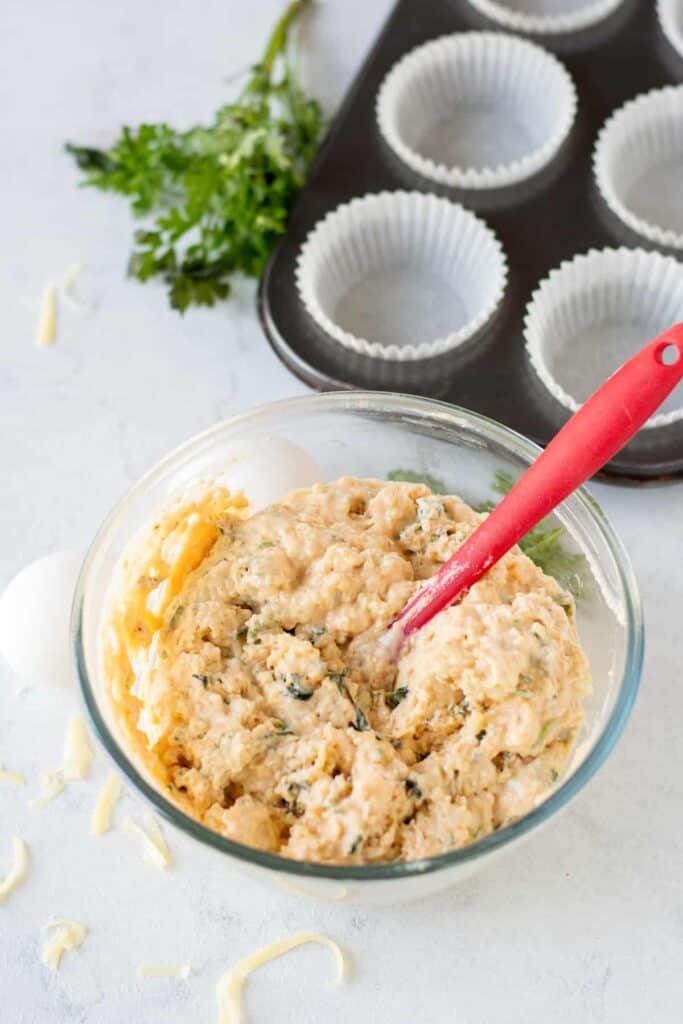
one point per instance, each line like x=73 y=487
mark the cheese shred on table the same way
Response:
x=154 y=848
x=68 y=282
x=229 y=988
x=66 y=935
x=106 y=800
x=19 y=869
x=51 y=786
x=77 y=750
x=47 y=321
x=13 y=778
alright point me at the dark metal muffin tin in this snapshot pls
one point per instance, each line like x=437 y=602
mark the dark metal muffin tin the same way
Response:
x=548 y=219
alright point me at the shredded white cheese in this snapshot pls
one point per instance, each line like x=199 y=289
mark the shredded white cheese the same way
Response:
x=76 y=763
x=77 y=750
x=167 y=971
x=229 y=988
x=68 y=284
x=154 y=848
x=13 y=778
x=67 y=935
x=157 y=598
x=19 y=868
x=157 y=837
x=144 y=664
x=51 y=786
x=112 y=640
x=106 y=799
x=47 y=323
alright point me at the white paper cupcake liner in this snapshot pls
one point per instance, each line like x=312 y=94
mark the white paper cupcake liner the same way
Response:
x=670 y=14
x=546 y=17
x=401 y=275
x=638 y=165
x=593 y=313
x=476 y=109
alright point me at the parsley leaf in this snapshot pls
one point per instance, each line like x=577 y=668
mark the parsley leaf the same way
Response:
x=360 y=723
x=409 y=476
x=296 y=688
x=413 y=789
x=215 y=198
x=543 y=545
x=394 y=698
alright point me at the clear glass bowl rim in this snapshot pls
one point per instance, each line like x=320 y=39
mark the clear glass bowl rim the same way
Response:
x=390 y=403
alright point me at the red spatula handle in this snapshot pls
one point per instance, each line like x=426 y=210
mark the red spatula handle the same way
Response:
x=587 y=441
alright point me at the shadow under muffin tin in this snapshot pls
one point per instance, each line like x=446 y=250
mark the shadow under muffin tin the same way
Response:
x=384 y=280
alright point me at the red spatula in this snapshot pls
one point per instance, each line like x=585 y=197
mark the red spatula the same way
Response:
x=587 y=441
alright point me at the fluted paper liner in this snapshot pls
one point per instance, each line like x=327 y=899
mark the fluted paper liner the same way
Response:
x=546 y=17
x=476 y=109
x=670 y=14
x=401 y=275
x=638 y=165
x=593 y=313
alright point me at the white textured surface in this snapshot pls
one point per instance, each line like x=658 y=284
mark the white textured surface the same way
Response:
x=584 y=923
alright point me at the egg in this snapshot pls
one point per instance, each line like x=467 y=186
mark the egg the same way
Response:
x=267 y=469
x=35 y=608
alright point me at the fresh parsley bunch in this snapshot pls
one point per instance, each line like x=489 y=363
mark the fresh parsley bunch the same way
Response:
x=216 y=198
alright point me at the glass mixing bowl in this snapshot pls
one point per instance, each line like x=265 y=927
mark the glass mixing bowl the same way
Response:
x=369 y=435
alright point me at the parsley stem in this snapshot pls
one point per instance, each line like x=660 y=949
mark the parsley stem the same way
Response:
x=278 y=38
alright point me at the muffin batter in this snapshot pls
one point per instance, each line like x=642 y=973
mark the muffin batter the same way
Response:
x=241 y=653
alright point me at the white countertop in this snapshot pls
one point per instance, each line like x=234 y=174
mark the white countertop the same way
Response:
x=583 y=923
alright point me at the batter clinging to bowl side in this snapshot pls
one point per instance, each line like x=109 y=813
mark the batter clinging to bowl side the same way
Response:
x=241 y=656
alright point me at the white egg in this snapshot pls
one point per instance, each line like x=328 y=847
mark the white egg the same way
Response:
x=35 y=608
x=267 y=469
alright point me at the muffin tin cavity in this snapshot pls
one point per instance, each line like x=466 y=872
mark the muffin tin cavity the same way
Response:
x=401 y=275
x=639 y=165
x=546 y=16
x=591 y=314
x=476 y=109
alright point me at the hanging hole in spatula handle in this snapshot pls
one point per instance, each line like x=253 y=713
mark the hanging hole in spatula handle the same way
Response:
x=669 y=354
